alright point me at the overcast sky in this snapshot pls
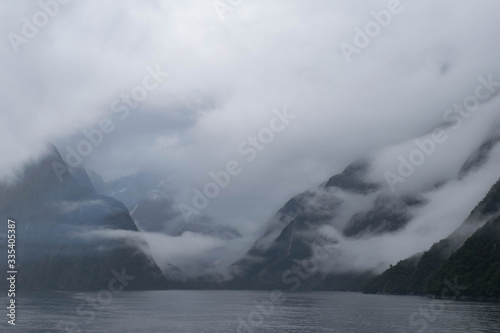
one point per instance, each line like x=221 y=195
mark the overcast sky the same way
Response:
x=229 y=68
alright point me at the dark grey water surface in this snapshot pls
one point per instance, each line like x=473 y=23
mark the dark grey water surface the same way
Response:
x=246 y=311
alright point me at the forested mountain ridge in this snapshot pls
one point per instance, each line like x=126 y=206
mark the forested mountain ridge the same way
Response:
x=469 y=254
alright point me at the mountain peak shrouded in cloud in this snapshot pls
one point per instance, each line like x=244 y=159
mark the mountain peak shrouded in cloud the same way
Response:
x=250 y=165
x=353 y=178
x=215 y=96
x=355 y=213
x=460 y=254
x=52 y=218
x=419 y=104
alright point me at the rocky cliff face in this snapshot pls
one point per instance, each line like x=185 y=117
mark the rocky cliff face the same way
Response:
x=55 y=220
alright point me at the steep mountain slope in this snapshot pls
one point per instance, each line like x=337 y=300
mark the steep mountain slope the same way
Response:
x=353 y=206
x=475 y=267
x=347 y=202
x=416 y=274
x=57 y=247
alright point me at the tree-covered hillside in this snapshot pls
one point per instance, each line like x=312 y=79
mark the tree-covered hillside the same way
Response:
x=475 y=260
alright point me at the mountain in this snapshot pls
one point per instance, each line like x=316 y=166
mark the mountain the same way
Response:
x=59 y=245
x=480 y=155
x=350 y=204
x=474 y=267
x=354 y=207
x=157 y=212
x=424 y=273
x=152 y=205
x=130 y=189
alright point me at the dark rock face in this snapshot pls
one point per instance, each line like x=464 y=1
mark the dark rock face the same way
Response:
x=56 y=245
x=353 y=179
x=480 y=156
x=389 y=213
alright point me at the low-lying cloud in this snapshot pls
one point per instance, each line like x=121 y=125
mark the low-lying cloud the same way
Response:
x=226 y=77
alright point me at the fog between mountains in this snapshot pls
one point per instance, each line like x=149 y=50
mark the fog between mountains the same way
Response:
x=225 y=77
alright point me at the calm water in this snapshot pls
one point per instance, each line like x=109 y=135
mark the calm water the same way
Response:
x=245 y=311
